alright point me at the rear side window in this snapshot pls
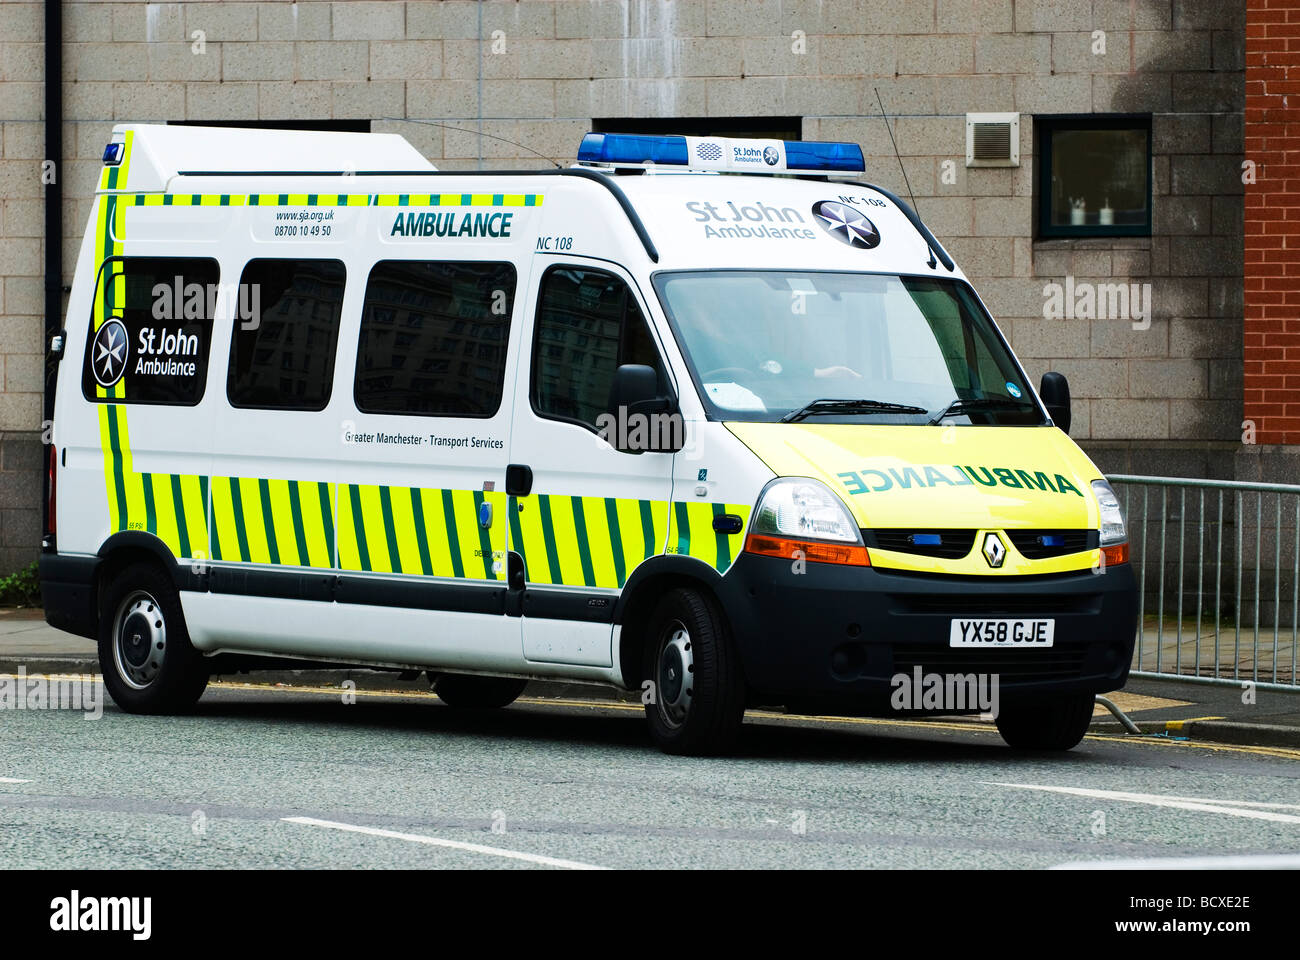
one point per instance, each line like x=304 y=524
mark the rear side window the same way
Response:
x=282 y=355
x=150 y=330
x=588 y=324
x=433 y=338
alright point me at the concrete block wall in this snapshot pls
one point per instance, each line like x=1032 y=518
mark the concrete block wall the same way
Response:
x=545 y=68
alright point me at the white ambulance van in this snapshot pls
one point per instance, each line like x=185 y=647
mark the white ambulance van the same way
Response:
x=702 y=418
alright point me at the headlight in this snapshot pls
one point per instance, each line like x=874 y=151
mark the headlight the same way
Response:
x=804 y=509
x=1113 y=530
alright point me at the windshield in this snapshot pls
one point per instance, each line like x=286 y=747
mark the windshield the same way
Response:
x=843 y=348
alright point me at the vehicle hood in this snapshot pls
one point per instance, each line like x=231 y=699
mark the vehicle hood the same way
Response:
x=936 y=477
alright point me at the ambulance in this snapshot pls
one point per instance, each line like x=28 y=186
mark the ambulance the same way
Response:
x=704 y=419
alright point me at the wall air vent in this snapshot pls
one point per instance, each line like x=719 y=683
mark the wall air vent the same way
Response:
x=992 y=139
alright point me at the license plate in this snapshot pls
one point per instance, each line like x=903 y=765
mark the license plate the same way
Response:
x=1001 y=633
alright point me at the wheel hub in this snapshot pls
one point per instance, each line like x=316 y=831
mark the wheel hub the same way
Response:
x=676 y=675
x=139 y=640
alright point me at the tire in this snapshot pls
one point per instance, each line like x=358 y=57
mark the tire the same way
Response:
x=698 y=698
x=145 y=654
x=467 y=692
x=1058 y=723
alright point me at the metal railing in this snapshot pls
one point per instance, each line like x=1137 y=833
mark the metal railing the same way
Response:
x=1218 y=568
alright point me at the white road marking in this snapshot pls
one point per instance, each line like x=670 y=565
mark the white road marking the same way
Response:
x=1233 y=808
x=1265 y=861
x=12 y=780
x=439 y=842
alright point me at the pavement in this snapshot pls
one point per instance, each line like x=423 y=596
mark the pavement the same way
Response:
x=1167 y=708
x=1174 y=647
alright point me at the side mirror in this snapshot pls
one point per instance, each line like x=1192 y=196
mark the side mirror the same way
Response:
x=634 y=384
x=1055 y=391
x=644 y=419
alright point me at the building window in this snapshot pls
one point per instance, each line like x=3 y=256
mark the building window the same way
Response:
x=1094 y=176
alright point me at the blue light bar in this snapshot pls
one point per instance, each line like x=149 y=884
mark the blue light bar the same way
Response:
x=813 y=155
x=113 y=154
x=1052 y=540
x=927 y=540
x=632 y=148
x=721 y=154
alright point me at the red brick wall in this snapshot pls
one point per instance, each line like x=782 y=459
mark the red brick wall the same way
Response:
x=1272 y=262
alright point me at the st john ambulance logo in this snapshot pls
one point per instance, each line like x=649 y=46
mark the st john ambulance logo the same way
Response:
x=994 y=552
x=109 y=352
x=844 y=223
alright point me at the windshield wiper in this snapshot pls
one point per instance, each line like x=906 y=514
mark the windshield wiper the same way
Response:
x=849 y=406
x=968 y=404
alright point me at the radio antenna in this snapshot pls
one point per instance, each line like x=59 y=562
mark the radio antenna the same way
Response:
x=907 y=183
x=480 y=133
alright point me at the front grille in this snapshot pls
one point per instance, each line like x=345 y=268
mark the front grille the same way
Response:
x=1054 y=663
x=1043 y=544
x=983 y=604
x=950 y=545
x=956 y=544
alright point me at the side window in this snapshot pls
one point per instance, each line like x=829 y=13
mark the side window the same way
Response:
x=433 y=338
x=150 y=330
x=282 y=355
x=588 y=323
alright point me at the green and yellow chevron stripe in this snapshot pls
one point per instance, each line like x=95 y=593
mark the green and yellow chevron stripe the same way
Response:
x=458 y=200
x=585 y=541
x=283 y=522
x=319 y=199
x=421 y=531
x=691 y=532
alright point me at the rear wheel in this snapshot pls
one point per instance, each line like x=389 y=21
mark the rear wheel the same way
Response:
x=468 y=692
x=698 y=698
x=145 y=653
x=1056 y=723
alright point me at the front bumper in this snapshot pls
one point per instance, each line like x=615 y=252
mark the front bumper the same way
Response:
x=830 y=638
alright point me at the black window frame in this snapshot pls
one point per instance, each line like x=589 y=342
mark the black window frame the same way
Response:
x=1044 y=127
x=449 y=356
x=331 y=347
x=534 y=357
x=91 y=394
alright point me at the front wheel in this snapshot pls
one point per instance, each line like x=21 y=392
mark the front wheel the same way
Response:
x=1056 y=723
x=145 y=654
x=697 y=701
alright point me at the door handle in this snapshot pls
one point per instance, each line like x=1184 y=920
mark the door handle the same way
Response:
x=519 y=480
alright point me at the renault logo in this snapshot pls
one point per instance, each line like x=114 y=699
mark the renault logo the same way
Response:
x=993 y=550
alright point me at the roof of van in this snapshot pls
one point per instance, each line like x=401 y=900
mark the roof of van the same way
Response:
x=155 y=153
x=739 y=220
x=683 y=219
